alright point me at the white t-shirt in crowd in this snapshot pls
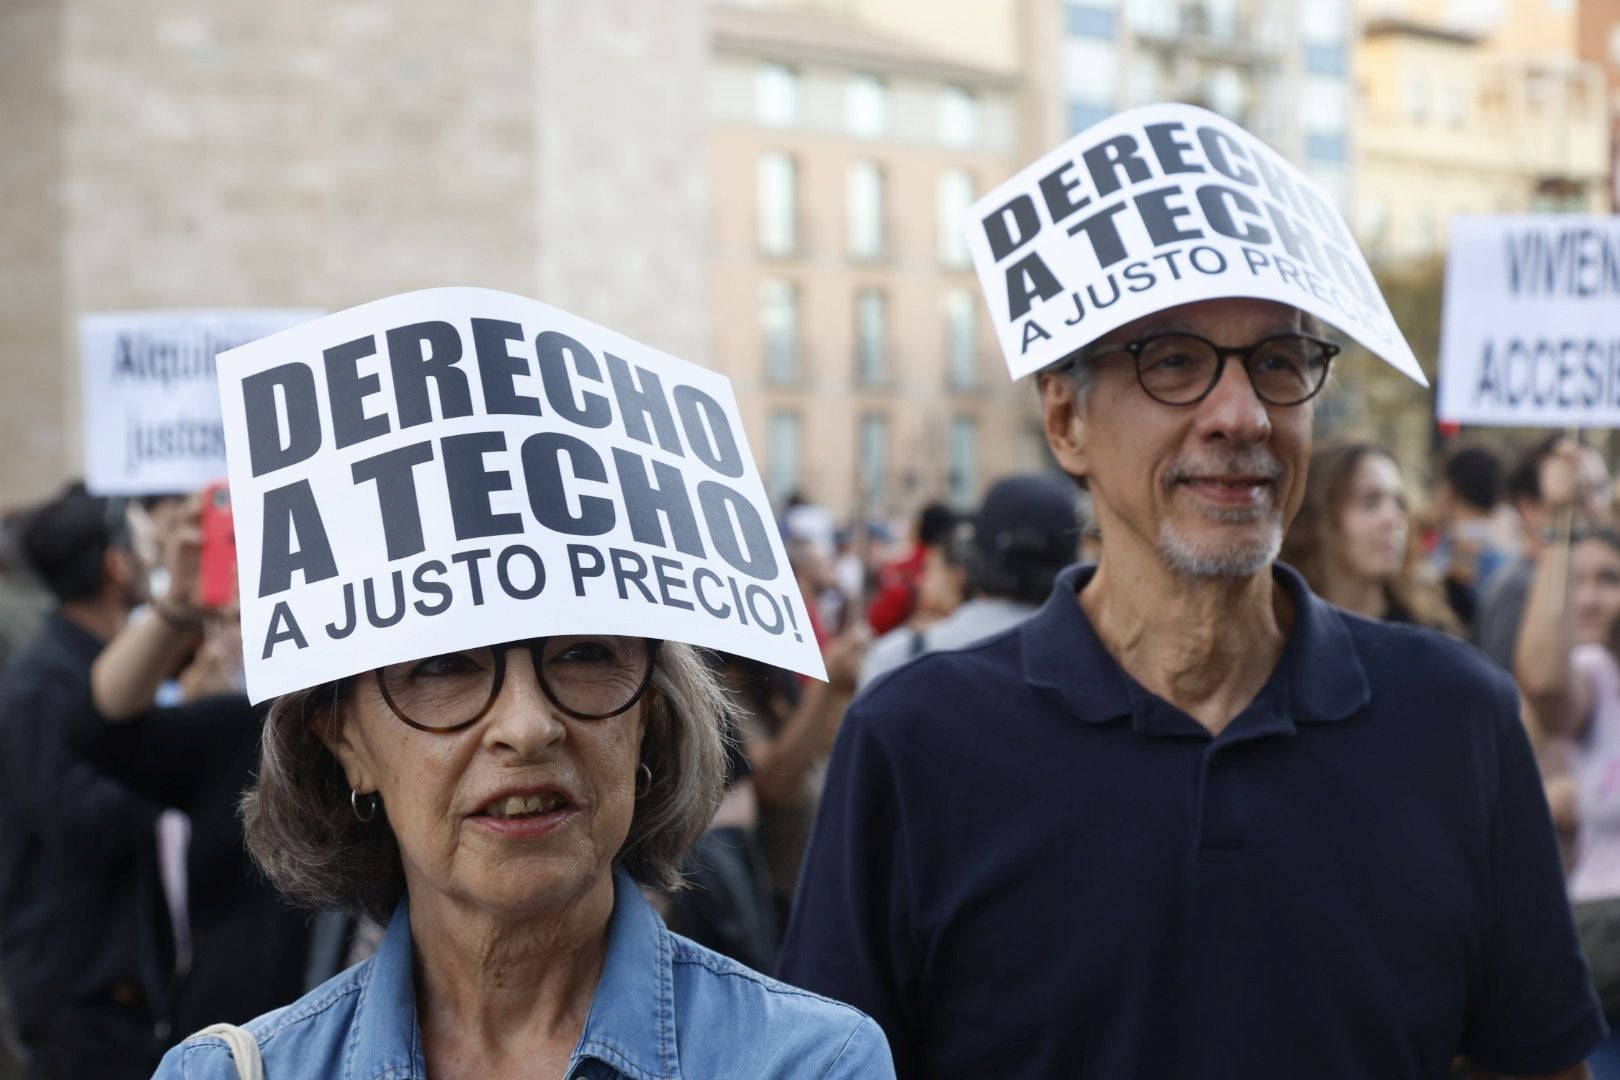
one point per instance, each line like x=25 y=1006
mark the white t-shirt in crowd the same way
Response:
x=1597 y=847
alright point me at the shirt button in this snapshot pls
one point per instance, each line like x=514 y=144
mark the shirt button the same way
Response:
x=1216 y=759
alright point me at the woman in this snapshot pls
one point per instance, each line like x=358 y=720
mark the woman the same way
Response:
x=1567 y=662
x=1352 y=539
x=502 y=808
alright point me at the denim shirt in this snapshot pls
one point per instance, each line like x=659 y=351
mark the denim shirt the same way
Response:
x=665 y=1008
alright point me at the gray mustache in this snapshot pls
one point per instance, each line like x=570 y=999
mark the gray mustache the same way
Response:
x=1256 y=463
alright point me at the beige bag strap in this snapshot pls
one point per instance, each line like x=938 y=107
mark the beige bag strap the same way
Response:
x=243 y=1046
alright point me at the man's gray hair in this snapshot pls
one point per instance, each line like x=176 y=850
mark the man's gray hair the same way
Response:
x=303 y=832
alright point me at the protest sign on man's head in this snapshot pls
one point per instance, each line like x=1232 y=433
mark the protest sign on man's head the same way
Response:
x=151 y=403
x=1530 y=336
x=1156 y=207
x=459 y=467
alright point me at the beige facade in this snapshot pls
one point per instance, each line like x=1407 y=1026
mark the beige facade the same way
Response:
x=180 y=153
x=1456 y=123
x=843 y=303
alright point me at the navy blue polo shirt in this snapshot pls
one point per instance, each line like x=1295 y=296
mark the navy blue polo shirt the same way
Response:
x=1026 y=865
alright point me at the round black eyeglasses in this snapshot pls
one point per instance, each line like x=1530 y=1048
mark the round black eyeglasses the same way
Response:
x=586 y=677
x=1183 y=369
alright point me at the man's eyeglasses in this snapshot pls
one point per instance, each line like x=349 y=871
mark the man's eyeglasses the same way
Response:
x=1183 y=369
x=586 y=677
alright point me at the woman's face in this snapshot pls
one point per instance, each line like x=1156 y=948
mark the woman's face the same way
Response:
x=522 y=812
x=1371 y=538
x=1594 y=590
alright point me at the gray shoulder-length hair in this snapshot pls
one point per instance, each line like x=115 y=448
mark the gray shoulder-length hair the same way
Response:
x=302 y=830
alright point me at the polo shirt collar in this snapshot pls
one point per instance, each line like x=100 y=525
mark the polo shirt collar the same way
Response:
x=630 y=1029
x=1323 y=678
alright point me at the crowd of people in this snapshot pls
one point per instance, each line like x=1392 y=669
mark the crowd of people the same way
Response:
x=143 y=897
x=107 y=959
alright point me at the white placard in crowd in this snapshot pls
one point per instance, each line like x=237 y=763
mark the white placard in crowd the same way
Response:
x=459 y=467
x=1531 y=331
x=1159 y=206
x=151 y=403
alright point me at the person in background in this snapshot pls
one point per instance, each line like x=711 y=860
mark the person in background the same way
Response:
x=1501 y=604
x=730 y=906
x=84 y=931
x=1567 y=662
x=24 y=601
x=786 y=726
x=1001 y=563
x=199 y=756
x=1353 y=541
x=1471 y=546
x=896 y=598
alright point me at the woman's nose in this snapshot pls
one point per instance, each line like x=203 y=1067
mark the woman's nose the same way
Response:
x=522 y=718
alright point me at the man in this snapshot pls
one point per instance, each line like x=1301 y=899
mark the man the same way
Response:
x=83 y=938
x=1471 y=548
x=1003 y=561
x=1188 y=820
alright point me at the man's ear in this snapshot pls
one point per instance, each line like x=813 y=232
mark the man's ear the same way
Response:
x=1064 y=425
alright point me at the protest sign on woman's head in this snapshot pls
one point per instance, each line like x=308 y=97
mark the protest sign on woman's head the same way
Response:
x=459 y=467
x=1156 y=207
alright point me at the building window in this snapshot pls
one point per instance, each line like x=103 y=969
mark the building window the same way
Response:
x=1089 y=20
x=1090 y=71
x=1326 y=60
x=964 y=462
x=776 y=95
x=958 y=117
x=866 y=107
x=955 y=196
x=1083 y=114
x=1456 y=106
x=874 y=459
x=962 y=339
x=871 y=337
x=1423 y=238
x=778 y=204
x=779 y=329
x=1324 y=21
x=782 y=455
x=1325 y=148
x=1228 y=93
x=1221 y=18
x=1417 y=99
x=864 y=209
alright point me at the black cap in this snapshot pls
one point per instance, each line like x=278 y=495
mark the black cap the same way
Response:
x=1024 y=533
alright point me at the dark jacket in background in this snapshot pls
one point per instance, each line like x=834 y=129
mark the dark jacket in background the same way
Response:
x=84 y=932
x=249 y=948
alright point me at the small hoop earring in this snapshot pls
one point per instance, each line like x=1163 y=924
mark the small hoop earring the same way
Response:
x=371 y=805
x=645 y=770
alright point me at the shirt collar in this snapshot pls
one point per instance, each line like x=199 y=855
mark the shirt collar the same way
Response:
x=631 y=1026
x=1320 y=675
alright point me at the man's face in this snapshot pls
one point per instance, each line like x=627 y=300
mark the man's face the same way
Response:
x=1209 y=487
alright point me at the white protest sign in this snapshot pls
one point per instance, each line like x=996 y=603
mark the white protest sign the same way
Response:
x=151 y=403
x=460 y=467
x=1160 y=206
x=1530 y=335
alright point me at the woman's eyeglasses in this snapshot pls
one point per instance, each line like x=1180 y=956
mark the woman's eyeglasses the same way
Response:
x=586 y=677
